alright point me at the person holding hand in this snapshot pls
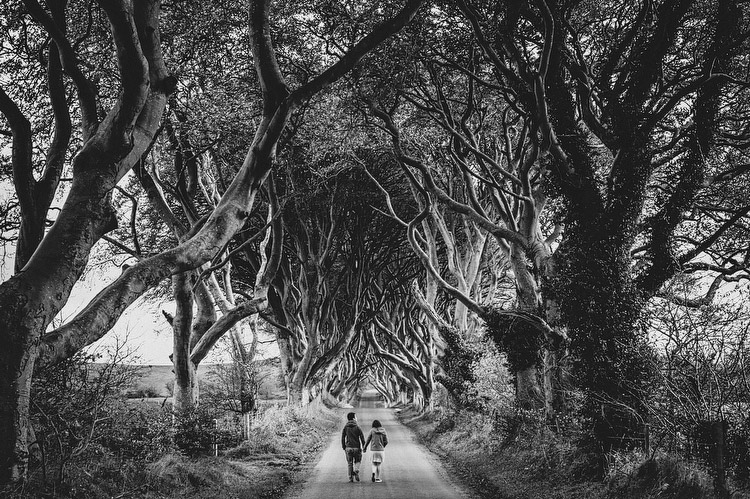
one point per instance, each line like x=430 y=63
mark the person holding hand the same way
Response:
x=351 y=440
x=379 y=440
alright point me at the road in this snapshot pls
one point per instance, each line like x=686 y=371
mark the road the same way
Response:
x=409 y=471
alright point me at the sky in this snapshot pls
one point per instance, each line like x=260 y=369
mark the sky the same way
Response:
x=142 y=334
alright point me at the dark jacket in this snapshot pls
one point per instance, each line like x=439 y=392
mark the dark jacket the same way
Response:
x=378 y=438
x=352 y=436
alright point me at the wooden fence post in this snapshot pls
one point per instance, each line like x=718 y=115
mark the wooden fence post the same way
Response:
x=718 y=437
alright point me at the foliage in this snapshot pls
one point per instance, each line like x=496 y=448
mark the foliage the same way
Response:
x=494 y=385
x=659 y=477
x=142 y=431
x=738 y=441
x=701 y=379
x=285 y=430
x=612 y=360
x=545 y=463
x=540 y=464
x=283 y=439
x=194 y=432
x=75 y=404
x=201 y=431
x=639 y=170
x=521 y=342
x=136 y=454
x=234 y=386
x=458 y=362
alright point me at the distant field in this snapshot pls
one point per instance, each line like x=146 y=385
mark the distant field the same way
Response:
x=156 y=380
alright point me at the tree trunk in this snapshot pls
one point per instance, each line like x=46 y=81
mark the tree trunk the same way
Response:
x=529 y=389
x=185 y=393
x=299 y=395
x=30 y=300
x=600 y=305
x=17 y=352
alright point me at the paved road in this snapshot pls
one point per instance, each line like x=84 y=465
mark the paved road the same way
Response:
x=409 y=471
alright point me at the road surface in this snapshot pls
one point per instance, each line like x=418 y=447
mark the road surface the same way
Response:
x=409 y=470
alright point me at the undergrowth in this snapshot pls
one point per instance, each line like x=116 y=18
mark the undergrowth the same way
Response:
x=281 y=441
x=519 y=457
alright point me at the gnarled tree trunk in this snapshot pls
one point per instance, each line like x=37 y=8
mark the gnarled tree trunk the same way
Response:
x=33 y=297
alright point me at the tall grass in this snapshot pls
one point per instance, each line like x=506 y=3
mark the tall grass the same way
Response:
x=519 y=457
x=281 y=442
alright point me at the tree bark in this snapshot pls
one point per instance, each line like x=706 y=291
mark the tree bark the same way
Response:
x=185 y=392
x=31 y=299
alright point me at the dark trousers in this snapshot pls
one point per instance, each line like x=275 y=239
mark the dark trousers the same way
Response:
x=353 y=456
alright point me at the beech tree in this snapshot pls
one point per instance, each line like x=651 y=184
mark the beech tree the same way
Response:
x=409 y=347
x=30 y=300
x=318 y=322
x=333 y=275
x=474 y=171
x=598 y=146
x=616 y=121
x=32 y=297
x=625 y=102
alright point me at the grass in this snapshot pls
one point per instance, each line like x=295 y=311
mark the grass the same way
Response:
x=175 y=476
x=283 y=441
x=662 y=477
x=497 y=457
x=533 y=462
x=156 y=380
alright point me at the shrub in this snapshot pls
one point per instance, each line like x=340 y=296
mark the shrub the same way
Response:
x=661 y=476
x=204 y=430
x=142 y=392
x=142 y=432
x=74 y=404
x=195 y=432
x=494 y=388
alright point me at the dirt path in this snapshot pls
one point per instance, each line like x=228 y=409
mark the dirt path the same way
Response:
x=410 y=471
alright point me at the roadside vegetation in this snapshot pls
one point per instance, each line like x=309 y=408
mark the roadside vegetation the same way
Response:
x=96 y=439
x=137 y=450
x=502 y=452
x=543 y=464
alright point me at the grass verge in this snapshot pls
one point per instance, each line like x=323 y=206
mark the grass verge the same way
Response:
x=534 y=463
x=283 y=440
x=264 y=466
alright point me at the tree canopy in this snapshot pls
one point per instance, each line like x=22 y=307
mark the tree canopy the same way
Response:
x=383 y=185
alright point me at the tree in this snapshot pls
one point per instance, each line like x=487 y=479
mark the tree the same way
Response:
x=30 y=300
x=598 y=118
x=333 y=280
x=602 y=98
x=633 y=104
x=472 y=164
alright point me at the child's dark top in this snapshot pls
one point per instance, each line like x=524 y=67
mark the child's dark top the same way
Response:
x=352 y=436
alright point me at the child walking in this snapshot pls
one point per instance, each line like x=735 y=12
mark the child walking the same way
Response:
x=379 y=440
x=351 y=440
